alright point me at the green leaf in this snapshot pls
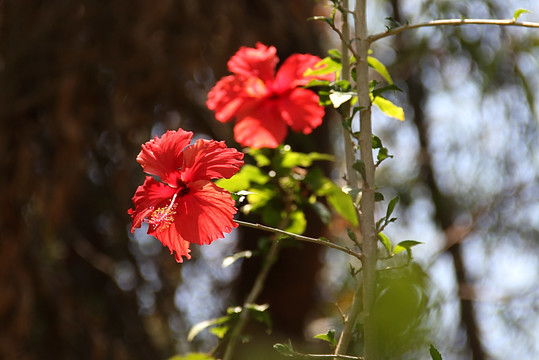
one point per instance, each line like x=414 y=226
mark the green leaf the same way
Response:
x=192 y=356
x=259 y=313
x=229 y=260
x=382 y=155
x=243 y=179
x=376 y=142
x=335 y=54
x=325 y=66
x=338 y=98
x=197 y=328
x=519 y=12
x=434 y=353
x=351 y=234
x=405 y=245
x=329 y=337
x=291 y=159
x=298 y=223
x=343 y=204
x=285 y=349
x=359 y=166
x=385 y=241
x=219 y=331
x=260 y=197
x=391 y=206
x=317 y=82
x=378 y=197
x=380 y=68
x=379 y=91
x=388 y=108
x=260 y=158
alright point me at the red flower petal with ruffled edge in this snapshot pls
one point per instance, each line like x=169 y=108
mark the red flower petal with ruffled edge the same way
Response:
x=301 y=111
x=209 y=159
x=264 y=127
x=227 y=98
x=256 y=62
x=205 y=214
x=163 y=156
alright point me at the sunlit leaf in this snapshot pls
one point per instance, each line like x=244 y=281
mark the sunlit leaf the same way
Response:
x=405 y=245
x=338 y=98
x=380 y=68
x=243 y=179
x=329 y=337
x=219 y=331
x=519 y=12
x=325 y=66
x=298 y=223
x=291 y=159
x=198 y=328
x=259 y=313
x=388 y=108
x=385 y=241
x=343 y=204
x=229 y=260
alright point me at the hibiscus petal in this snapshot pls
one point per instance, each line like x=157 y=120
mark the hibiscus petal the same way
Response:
x=300 y=109
x=148 y=197
x=170 y=238
x=226 y=98
x=209 y=159
x=264 y=127
x=163 y=156
x=205 y=214
x=290 y=73
x=256 y=62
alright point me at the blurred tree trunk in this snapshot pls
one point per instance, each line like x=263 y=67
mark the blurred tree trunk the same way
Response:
x=444 y=207
x=83 y=83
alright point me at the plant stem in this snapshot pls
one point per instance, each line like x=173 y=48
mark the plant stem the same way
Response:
x=364 y=296
x=251 y=298
x=452 y=22
x=367 y=199
x=300 y=237
x=350 y=156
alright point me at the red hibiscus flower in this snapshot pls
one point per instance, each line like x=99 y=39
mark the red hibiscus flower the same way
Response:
x=185 y=206
x=264 y=103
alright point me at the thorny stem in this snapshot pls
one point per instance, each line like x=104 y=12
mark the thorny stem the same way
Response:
x=451 y=22
x=300 y=237
x=364 y=296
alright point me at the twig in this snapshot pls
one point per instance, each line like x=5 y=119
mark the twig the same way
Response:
x=452 y=22
x=251 y=298
x=300 y=237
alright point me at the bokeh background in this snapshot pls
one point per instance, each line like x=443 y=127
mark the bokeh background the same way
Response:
x=84 y=83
